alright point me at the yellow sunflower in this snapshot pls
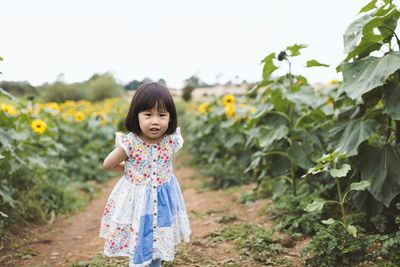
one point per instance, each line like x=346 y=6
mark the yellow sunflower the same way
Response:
x=252 y=109
x=38 y=126
x=203 y=108
x=8 y=108
x=104 y=120
x=332 y=82
x=79 y=116
x=229 y=100
x=299 y=82
x=230 y=110
x=53 y=105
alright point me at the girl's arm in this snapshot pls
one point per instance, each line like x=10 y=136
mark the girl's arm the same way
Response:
x=115 y=161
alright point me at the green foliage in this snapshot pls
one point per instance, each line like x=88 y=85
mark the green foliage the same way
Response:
x=187 y=91
x=253 y=241
x=19 y=88
x=103 y=86
x=60 y=92
x=333 y=246
x=289 y=211
x=43 y=172
x=328 y=163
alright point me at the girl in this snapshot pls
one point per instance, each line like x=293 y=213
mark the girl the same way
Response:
x=145 y=215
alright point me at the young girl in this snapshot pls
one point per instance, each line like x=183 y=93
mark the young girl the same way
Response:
x=145 y=215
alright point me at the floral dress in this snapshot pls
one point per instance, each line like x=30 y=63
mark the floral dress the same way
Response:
x=145 y=215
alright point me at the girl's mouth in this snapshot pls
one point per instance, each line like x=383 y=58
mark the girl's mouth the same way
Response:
x=154 y=130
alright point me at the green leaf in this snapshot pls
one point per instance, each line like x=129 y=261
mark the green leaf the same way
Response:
x=268 y=134
x=353 y=33
x=342 y=172
x=314 y=63
x=269 y=66
x=360 y=186
x=294 y=49
x=300 y=154
x=1 y=59
x=369 y=6
x=354 y=134
x=329 y=221
x=391 y=100
x=317 y=205
x=368 y=73
x=380 y=165
x=317 y=169
x=352 y=230
x=328 y=158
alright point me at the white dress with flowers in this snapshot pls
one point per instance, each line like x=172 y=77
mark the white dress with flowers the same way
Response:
x=145 y=215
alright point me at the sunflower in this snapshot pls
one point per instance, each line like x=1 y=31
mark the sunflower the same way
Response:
x=242 y=105
x=299 y=82
x=38 y=126
x=79 y=117
x=203 y=108
x=252 y=109
x=70 y=111
x=8 y=109
x=53 y=105
x=230 y=110
x=332 y=82
x=229 y=100
x=104 y=120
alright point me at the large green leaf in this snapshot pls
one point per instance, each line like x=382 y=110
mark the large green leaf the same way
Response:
x=354 y=134
x=391 y=100
x=374 y=28
x=269 y=134
x=300 y=154
x=369 y=73
x=381 y=166
x=353 y=33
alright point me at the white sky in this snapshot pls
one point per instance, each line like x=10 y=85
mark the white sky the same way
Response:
x=170 y=39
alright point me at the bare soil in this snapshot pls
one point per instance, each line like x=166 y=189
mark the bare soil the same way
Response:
x=75 y=237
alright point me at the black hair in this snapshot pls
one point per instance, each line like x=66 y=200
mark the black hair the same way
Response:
x=148 y=96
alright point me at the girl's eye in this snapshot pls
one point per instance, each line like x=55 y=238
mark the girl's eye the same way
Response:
x=163 y=115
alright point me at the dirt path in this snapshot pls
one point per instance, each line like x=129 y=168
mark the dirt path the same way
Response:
x=75 y=238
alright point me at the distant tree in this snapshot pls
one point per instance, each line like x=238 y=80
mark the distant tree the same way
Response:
x=134 y=85
x=162 y=81
x=103 y=86
x=19 y=88
x=196 y=82
x=187 y=91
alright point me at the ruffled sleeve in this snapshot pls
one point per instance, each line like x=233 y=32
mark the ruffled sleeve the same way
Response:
x=122 y=140
x=177 y=139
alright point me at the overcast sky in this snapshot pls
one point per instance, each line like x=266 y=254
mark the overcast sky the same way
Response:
x=170 y=39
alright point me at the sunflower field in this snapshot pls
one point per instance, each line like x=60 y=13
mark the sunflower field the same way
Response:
x=49 y=152
x=327 y=156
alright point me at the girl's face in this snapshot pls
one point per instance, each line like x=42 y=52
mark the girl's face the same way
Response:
x=153 y=124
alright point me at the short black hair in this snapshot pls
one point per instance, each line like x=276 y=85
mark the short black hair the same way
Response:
x=148 y=96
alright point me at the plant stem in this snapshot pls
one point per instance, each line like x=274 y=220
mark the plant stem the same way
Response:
x=341 y=202
x=388 y=127
x=294 y=179
x=397 y=132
